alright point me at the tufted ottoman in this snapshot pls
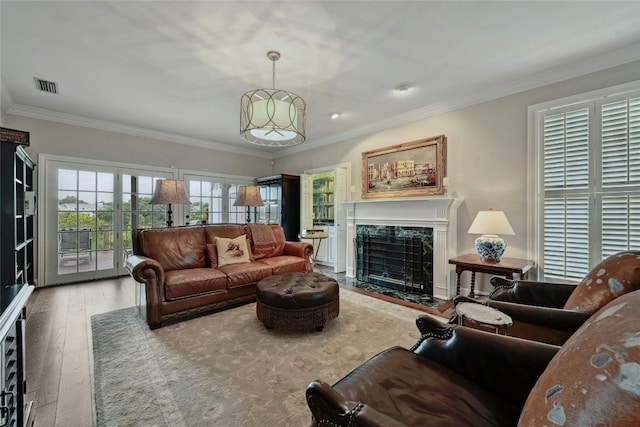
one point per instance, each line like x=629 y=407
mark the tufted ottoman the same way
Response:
x=297 y=301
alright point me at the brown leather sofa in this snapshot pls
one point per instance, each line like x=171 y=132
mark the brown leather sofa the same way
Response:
x=459 y=376
x=178 y=273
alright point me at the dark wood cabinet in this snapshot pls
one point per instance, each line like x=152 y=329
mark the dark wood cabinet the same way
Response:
x=281 y=197
x=17 y=273
x=17 y=208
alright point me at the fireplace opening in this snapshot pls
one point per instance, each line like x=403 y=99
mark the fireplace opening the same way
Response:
x=395 y=257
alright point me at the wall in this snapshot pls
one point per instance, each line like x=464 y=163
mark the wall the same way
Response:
x=486 y=153
x=67 y=140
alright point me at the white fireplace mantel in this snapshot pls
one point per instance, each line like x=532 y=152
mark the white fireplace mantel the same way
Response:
x=439 y=213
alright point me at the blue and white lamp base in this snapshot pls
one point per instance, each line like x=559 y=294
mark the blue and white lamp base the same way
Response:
x=490 y=247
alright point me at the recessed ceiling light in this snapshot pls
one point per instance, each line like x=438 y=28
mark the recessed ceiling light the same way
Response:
x=334 y=116
x=403 y=87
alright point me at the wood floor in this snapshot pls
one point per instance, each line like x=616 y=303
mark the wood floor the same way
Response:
x=59 y=360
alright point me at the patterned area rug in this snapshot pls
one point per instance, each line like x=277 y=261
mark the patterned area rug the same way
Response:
x=227 y=369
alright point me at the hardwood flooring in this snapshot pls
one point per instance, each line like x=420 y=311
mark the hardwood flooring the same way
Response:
x=59 y=361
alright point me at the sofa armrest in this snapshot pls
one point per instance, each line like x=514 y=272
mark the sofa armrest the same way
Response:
x=149 y=272
x=300 y=249
x=531 y=293
x=554 y=318
x=144 y=269
x=330 y=408
x=507 y=366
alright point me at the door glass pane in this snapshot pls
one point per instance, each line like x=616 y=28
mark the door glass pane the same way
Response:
x=137 y=211
x=85 y=221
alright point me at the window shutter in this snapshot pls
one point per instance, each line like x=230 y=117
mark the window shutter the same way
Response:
x=620 y=224
x=566 y=149
x=566 y=237
x=621 y=142
x=590 y=180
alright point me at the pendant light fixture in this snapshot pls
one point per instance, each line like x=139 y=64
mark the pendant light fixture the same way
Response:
x=272 y=117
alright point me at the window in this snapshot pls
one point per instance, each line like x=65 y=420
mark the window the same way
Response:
x=588 y=181
x=212 y=198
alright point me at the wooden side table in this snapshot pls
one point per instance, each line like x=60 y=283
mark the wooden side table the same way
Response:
x=314 y=237
x=511 y=268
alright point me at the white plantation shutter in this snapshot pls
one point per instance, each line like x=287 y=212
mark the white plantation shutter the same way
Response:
x=590 y=181
x=566 y=204
x=566 y=150
x=621 y=143
x=566 y=237
x=620 y=176
x=620 y=224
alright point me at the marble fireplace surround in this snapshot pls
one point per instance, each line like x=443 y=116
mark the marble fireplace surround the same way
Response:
x=438 y=213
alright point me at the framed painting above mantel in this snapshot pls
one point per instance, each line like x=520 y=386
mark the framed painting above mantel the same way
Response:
x=411 y=169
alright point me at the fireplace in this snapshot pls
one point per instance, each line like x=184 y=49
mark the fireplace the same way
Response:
x=396 y=257
x=438 y=215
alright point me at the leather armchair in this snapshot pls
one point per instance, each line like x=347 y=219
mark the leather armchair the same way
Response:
x=459 y=376
x=551 y=312
x=453 y=376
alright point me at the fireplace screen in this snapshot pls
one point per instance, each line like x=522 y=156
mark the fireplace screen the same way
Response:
x=396 y=257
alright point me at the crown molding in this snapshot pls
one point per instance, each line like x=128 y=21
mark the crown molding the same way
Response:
x=607 y=60
x=6 y=100
x=74 y=120
x=610 y=59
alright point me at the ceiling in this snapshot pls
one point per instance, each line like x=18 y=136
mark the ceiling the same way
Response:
x=176 y=70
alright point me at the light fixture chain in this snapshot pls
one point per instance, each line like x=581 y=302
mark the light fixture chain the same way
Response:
x=273 y=79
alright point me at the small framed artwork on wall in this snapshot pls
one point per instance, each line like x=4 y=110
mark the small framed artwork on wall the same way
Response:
x=411 y=169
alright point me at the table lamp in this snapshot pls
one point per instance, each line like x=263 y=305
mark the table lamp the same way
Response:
x=248 y=195
x=490 y=223
x=169 y=192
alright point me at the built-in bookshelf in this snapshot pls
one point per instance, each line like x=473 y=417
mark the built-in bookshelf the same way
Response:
x=323 y=198
x=17 y=272
x=17 y=212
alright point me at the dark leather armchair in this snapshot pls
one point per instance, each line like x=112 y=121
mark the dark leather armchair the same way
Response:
x=453 y=376
x=551 y=312
x=458 y=376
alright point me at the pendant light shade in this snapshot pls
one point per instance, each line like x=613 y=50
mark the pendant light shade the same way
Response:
x=272 y=117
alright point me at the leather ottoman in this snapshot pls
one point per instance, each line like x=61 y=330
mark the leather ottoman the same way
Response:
x=297 y=301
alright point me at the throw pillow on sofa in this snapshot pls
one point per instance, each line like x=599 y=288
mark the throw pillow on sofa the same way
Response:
x=232 y=251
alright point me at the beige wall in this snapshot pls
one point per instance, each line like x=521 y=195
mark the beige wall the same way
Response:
x=66 y=140
x=486 y=153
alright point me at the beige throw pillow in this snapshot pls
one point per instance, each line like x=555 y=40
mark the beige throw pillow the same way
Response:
x=232 y=251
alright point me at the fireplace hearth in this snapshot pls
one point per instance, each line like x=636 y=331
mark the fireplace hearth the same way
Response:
x=396 y=257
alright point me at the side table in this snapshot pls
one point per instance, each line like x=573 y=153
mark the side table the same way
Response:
x=511 y=268
x=484 y=316
x=313 y=237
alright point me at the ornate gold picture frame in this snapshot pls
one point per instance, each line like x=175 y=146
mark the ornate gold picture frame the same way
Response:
x=411 y=169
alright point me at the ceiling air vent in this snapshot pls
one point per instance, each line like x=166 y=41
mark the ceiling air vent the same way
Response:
x=46 y=86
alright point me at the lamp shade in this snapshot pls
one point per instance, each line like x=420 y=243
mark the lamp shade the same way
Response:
x=274 y=120
x=169 y=191
x=490 y=223
x=272 y=117
x=248 y=195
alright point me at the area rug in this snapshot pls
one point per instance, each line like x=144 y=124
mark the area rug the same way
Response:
x=227 y=369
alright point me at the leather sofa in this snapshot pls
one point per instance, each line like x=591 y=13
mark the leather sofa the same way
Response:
x=179 y=270
x=459 y=376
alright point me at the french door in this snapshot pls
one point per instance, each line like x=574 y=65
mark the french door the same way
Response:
x=89 y=211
